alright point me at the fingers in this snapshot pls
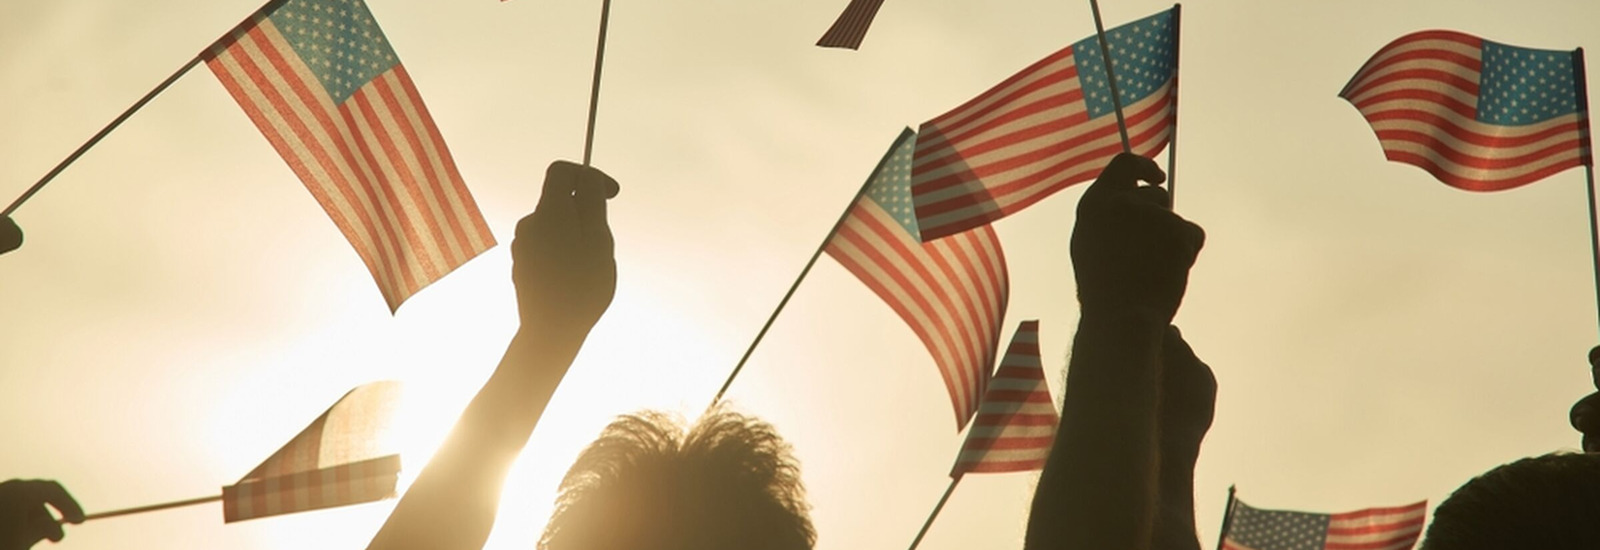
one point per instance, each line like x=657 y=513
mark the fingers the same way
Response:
x=52 y=493
x=1124 y=173
x=594 y=188
x=42 y=525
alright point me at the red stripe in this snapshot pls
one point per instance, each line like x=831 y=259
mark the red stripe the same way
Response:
x=981 y=323
x=1001 y=466
x=851 y=26
x=392 y=250
x=965 y=321
x=1466 y=160
x=1016 y=419
x=1383 y=511
x=1474 y=184
x=407 y=183
x=1005 y=443
x=1457 y=58
x=898 y=245
x=431 y=196
x=459 y=186
x=1405 y=41
x=1459 y=132
x=876 y=256
x=1376 y=528
x=955 y=148
x=1382 y=543
x=1014 y=112
x=1018 y=396
x=1443 y=100
x=944 y=119
x=1426 y=74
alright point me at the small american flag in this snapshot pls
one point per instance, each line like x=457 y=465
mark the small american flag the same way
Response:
x=1047 y=127
x=321 y=81
x=1477 y=114
x=1372 y=529
x=337 y=460
x=952 y=292
x=1017 y=421
x=851 y=27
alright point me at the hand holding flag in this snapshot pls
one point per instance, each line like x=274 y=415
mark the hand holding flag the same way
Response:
x=1130 y=252
x=563 y=260
x=24 y=518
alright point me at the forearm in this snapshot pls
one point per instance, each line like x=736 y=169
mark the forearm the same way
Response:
x=452 y=504
x=1099 y=488
x=1174 y=521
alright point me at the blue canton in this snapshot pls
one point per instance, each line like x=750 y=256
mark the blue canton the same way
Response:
x=1275 y=530
x=1523 y=86
x=1142 y=56
x=891 y=186
x=339 y=41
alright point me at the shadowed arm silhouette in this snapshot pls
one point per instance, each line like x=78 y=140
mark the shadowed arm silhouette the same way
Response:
x=565 y=275
x=24 y=519
x=1137 y=401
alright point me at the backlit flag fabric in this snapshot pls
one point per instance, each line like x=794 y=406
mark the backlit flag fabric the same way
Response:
x=1372 y=529
x=339 y=459
x=321 y=81
x=1045 y=128
x=851 y=26
x=952 y=292
x=1477 y=114
x=1016 y=422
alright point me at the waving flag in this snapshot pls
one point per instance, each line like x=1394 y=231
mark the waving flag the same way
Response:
x=1477 y=114
x=1047 y=127
x=1017 y=420
x=851 y=27
x=952 y=292
x=335 y=461
x=1372 y=529
x=321 y=81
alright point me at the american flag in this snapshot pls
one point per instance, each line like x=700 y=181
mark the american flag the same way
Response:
x=1394 y=528
x=1477 y=114
x=1017 y=420
x=1047 y=127
x=337 y=460
x=321 y=81
x=952 y=292
x=851 y=27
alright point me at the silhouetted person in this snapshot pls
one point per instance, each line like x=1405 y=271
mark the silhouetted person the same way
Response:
x=10 y=235
x=24 y=518
x=1137 y=402
x=1549 y=502
x=727 y=483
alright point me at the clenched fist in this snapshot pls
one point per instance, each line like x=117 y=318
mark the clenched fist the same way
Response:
x=563 y=260
x=1131 y=253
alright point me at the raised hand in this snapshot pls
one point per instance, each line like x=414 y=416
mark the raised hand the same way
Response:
x=24 y=520
x=1131 y=253
x=563 y=255
x=10 y=235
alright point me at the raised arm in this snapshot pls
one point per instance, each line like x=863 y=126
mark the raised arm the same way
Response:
x=1131 y=255
x=565 y=275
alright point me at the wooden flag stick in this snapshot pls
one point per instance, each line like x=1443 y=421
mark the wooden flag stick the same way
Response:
x=594 y=89
x=935 y=514
x=1588 y=168
x=1227 y=519
x=153 y=507
x=904 y=135
x=1172 y=136
x=115 y=123
x=1111 y=79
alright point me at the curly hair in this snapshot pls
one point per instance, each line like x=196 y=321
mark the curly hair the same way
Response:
x=727 y=483
x=1549 y=502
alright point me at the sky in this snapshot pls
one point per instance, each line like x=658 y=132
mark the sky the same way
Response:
x=182 y=306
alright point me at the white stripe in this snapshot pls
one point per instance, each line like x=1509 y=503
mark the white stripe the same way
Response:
x=1466 y=98
x=1429 y=44
x=946 y=123
x=1511 y=132
x=1477 y=173
x=1011 y=431
x=395 y=186
x=446 y=203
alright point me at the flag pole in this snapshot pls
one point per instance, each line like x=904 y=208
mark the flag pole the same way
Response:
x=1172 y=136
x=153 y=507
x=1588 y=169
x=1227 y=519
x=116 y=122
x=904 y=135
x=935 y=514
x=594 y=89
x=1111 y=79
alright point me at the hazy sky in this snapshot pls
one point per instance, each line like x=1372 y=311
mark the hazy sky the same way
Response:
x=182 y=306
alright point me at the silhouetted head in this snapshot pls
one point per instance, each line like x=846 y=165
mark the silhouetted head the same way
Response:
x=727 y=483
x=1549 y=502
